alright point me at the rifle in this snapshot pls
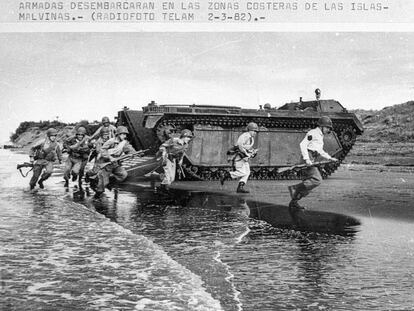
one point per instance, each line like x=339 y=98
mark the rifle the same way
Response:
x=93 y=154
x=234 y=151
x=303 y=165
x=124 y=157
x=25 y=164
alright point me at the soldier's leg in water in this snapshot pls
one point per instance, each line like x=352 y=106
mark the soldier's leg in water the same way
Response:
x=46 y=174
x=169 y=173
x=82 y=171
x=76 y=168
x=68 y=168
x=242 y=171
x=37 y=170
x=243 y=180
x=103 y=181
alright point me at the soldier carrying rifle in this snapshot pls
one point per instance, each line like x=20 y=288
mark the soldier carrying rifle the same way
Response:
x=111 y=151
x=240 y=156
x=92 y=175
x=172 y=153
x=78 y=147
x=311 y=147
x=42 y=155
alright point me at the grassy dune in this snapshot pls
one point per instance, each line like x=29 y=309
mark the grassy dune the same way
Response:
x=388 y=138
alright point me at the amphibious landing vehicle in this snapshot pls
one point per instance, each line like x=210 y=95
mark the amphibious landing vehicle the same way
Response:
x=216 y=129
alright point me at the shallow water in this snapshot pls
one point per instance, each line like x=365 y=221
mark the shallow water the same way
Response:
x=195 y=251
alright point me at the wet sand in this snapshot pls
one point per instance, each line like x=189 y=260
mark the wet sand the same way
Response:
x=364 y=190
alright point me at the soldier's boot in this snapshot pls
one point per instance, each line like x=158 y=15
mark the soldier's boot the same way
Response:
x=66 y=185
x=74 y=176
x=41 y=185
x=32 y=186
x=240 y=188
x=42 y=179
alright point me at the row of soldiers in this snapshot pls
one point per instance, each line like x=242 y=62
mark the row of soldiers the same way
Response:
x=106 y=146
x=113 y=143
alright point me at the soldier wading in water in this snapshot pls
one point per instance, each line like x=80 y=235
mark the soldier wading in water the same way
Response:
x=173 y=150
x=42 y=155
x=110 y=152
x=78 y=148
x=310 y=147
x=241 y=154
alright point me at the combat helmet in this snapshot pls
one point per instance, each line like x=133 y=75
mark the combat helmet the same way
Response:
x=252 y=126
x=121 y=130
x=186 y=133
x=81 y=131
x=325 y=121
x=51 y=132
x=318 y=94
x=105 y=120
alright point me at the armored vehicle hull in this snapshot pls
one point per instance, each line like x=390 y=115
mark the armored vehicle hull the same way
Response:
x=216 y=129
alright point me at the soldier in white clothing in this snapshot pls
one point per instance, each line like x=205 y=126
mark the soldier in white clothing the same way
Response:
x=311 y=146
x=245 y=152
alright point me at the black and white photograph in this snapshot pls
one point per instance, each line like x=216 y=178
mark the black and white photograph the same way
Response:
x=207 y=170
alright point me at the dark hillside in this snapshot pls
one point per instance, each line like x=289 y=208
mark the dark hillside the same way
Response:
x=391 y=124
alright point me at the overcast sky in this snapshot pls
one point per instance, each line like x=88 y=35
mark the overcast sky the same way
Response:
x=77 y=76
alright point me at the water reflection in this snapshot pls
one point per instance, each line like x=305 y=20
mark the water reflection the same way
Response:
x=277 y=215
x=281 y=216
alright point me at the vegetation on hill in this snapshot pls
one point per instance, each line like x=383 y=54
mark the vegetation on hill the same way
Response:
x=391 y=124
x=29 y=132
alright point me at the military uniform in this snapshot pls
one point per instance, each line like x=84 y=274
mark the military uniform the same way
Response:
x=44 y=153
x=78 y=150
x=311 y=147
x=241 y=163
x=97 y=146
x=174 y=148
x=114 y=148
x=110 y=127
x=243 y=152
x=107 y=126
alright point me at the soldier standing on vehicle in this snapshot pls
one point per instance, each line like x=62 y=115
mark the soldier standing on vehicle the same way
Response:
x=42 y=155
x=105 y=125
x=110 y=152
x=78 y=148
x=311 y=146
x=245 y=152
x=173 y=150
x=318 y=94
